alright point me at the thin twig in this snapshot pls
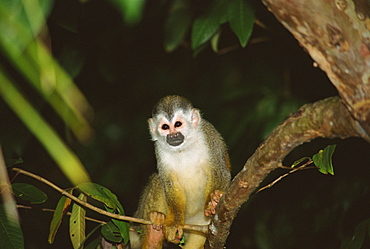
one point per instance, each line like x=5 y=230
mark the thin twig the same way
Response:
x=68 y=213
x=203 y=229
x=302 y=167
x=82 y=203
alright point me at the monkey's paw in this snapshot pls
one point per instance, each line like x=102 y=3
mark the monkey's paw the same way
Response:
x=211 y=207
x=157 y=220
x=173 y=233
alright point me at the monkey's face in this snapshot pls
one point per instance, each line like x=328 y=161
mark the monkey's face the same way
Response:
x=175 y=130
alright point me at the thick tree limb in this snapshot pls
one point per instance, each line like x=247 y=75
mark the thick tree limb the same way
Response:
x=327 y=118
x=336 y=33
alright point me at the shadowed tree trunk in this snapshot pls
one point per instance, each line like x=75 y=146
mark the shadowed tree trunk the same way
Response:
x=336 y=35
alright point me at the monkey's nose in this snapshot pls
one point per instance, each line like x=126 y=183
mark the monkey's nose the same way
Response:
x=175 y=139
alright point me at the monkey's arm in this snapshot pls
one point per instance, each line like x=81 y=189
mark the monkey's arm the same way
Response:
x=176 y=200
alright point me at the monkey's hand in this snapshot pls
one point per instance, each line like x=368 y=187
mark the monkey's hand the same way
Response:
x=173 y=233
x=211 y=207
x=157 y=220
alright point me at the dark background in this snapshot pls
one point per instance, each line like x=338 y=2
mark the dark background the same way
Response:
x=124 y=70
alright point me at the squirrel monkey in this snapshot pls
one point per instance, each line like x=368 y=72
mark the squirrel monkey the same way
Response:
x=193 y=171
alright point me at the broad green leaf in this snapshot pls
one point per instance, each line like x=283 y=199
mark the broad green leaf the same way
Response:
x=59 y=213
x=131 y=10
x=299 y=161
x=177 y=25
x=111 y=232
x=323 y=160
x=203 y=30
x=123 y=226
x=113 y=198
x=241 y=18
x=11 y=236
x=77 y=223
x=29 y=192
x=98 y=193
x=205 y=26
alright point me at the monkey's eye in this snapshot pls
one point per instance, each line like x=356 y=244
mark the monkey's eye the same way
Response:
x=165 y=127
x=178 y=124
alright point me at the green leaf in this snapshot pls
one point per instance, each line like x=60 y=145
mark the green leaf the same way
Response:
x=299 y=161
x=77 y=223
x=356 y=241
x=91 y=245
x=30 y=14
x=124 y=229
x=205 y=26
x=123 y=226
x=177 y=25
x=214 y=41
x=323 y=160
x=111 y=232
x=59 y=213
x=111 y=203
x=241 y=18
x=13 y=162
x=11 y=236
x=94 y=244
x=29 y=192
x=98 y=193
x=203 y=30
x=131 y=10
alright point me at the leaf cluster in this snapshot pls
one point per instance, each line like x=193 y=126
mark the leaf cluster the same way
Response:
x=114 y=231
x=207 y=26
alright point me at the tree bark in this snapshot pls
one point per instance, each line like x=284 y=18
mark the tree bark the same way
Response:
x=336 y=34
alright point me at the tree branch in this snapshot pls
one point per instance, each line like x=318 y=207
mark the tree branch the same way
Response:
x=327 y=118
x=336 y=34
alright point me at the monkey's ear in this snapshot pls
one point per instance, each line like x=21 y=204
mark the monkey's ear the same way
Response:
x=152 y=126
x=195 y=117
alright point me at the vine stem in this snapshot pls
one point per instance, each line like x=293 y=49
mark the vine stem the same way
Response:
x=203 y=229
x=82 y=203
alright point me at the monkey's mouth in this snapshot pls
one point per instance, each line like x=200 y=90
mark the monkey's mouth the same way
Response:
x=175 y=139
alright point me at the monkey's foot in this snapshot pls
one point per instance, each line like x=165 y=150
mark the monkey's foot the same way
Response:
x=173 y=233
x=156 y=235
x=211 y=207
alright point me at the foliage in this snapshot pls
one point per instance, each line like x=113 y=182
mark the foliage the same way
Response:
x=323 y=160
x=20 y=41
x=29 y=193
x=115 y=231
x=11 y=234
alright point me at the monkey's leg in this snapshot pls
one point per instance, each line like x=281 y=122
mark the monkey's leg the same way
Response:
x=152 y=206
x=211 y=207
x=155 y=232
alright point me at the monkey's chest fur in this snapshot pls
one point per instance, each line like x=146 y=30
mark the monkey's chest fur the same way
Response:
x=191 y=169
